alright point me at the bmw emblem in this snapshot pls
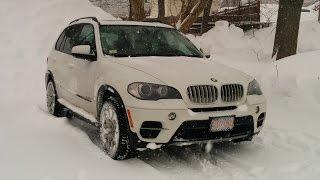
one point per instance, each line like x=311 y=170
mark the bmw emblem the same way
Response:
x=214 y=80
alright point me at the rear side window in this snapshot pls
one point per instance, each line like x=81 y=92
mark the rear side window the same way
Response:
x=60 y=40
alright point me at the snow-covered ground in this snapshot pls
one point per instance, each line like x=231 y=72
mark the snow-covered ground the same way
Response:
x=37 y=146
x=269 y=13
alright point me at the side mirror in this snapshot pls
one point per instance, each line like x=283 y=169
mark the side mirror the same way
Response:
x=206 y=53
x=83 y=52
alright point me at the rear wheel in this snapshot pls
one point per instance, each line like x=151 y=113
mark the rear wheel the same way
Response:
x=115 y=132
x=54 y=107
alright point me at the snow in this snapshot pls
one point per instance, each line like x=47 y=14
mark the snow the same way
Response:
x=134 y=23
x=269 y=13
x=78 y=110
x=36 y=145
x=153 y=146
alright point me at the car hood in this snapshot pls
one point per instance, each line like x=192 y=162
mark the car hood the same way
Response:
x=181 y=72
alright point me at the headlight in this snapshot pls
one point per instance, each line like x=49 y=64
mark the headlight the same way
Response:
x=149 y=91
x=254 y=88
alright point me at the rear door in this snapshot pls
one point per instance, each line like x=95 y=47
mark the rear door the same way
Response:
x=66 y=78
x=57 y=64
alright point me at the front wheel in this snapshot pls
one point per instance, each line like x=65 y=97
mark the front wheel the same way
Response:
x=115 y=132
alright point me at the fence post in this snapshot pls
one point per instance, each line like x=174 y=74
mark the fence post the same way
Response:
x=205 y=17
x=161 y=9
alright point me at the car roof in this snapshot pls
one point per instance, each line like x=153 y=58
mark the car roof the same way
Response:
x=134 y=23
x=121 y=22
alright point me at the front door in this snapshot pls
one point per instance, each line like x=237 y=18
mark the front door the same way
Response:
x=85 y=70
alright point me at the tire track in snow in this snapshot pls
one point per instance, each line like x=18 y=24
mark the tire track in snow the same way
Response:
x=225 y=161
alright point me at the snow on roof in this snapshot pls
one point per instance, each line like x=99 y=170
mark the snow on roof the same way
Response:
x=133 y=23
x=119 y=22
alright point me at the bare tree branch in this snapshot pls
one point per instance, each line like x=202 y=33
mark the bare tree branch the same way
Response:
x=190 y=11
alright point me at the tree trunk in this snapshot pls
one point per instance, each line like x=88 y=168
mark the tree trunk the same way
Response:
x=190 y=11
x=161 y=9
x=319 y=13
x=186 y=8
x=137 y=12
x=206 y=15
x=286 y=38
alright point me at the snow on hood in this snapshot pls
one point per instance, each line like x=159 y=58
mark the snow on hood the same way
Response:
x=185 y=71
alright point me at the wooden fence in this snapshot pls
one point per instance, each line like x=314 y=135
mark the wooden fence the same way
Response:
x=245 y=17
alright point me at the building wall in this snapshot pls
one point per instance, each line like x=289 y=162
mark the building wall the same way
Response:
x=173 y=7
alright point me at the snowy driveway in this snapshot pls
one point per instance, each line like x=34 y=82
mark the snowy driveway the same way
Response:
x=35 y=145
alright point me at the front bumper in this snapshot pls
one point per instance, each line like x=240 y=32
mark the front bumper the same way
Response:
x=153 y=125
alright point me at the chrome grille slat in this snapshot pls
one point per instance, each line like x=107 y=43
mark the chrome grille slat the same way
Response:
x=198 y=94
x=194 y=94
x=205 y=88
x=231 y=92
x=228 y=93
x=202 y=95
x=210 y=98
x=191 y=94
x=238 y=90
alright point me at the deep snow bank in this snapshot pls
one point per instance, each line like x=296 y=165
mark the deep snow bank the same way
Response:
x=300 y=76
x=256 y=45
x=29 y=29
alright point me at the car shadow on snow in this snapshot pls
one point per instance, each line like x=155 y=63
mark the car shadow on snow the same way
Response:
x=174 y=157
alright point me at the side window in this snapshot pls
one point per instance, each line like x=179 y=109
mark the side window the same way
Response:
x=87 y=37
x=71 y=38
x=59 y=41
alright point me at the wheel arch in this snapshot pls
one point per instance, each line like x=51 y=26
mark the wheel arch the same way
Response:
x=106 y=91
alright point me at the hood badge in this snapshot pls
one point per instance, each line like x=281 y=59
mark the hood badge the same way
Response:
x=214 y=80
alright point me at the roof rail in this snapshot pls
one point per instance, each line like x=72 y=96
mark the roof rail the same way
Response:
x=93 y=18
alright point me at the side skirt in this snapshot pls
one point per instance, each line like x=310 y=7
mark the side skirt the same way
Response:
x=79 y=113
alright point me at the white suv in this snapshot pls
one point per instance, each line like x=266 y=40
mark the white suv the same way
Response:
x=144 y=83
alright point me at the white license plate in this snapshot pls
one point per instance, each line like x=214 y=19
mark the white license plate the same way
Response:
x=222 y=124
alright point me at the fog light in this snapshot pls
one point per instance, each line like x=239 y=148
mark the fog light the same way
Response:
x=172 y=116
x=257 y=109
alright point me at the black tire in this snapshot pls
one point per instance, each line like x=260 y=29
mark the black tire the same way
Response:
x=126 y=146
x=54 y=107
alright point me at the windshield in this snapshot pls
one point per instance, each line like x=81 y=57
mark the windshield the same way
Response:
x=134 y=41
